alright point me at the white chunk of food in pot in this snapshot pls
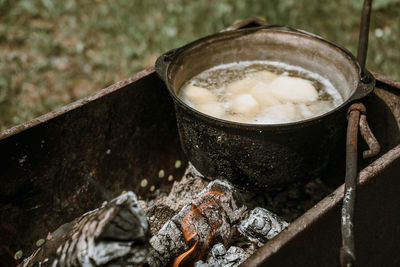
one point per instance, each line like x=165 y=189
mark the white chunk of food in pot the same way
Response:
x=305 y=110
x=239 y=118
x=241 y=86
x=199 y=95
x=263 y=95
x=253 y=94
x=245 y=104
x=262 y=76
x=291 y=89
x=213 y=109
x=320 y=107
x=280 y=113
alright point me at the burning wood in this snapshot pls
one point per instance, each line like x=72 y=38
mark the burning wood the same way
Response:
x=209 y=217
x=181 y=194
x=115 y=233
x=261 y=226
x=185 y=256
x=216 y=215
x=222 y=257
x=199 y=223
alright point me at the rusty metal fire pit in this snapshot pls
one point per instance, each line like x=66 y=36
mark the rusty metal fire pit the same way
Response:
x=126 y=133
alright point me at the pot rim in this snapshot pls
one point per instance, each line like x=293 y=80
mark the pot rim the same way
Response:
x=365 y=85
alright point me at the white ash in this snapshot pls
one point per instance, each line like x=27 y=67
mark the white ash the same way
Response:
x=261 y=226
x=219 y=256
x=232 y=200
x=182 y=194
x=169 y=242
x=218 y=250
x=115 y=234
x=234 y=256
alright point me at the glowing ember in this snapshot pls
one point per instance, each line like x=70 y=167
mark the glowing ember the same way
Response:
x=212 y=192
x=188 y=229
x=195 y=222
x=181 y=258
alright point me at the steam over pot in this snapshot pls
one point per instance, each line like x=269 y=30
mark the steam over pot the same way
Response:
x=261 y=156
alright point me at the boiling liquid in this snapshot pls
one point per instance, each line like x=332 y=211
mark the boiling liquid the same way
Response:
x=260 y=92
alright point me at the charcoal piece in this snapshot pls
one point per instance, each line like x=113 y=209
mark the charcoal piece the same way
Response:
x=220 y=208
x=115 y=234
x=157 y=216
x=234 y=256
x=261 y=226
x=201 y=263
x=218 y=250
x=231 y=202
x=182 y=192
x=231 y=258
x=208 y=216
x=169 y=242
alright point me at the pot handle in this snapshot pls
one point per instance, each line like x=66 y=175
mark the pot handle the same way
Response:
x=365 y=86
x=162 y=63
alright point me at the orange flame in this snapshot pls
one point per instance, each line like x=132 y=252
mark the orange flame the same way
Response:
x=188 y=228
x=197 y=251
x=178 y=260
x=212 y=192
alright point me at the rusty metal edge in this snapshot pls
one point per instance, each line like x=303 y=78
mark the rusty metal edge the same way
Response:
x=58 y=112
x=321 y=208
x=386 y=80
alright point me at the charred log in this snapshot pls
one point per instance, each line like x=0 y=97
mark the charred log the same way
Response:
x=182 y=194
x=216 y=217
x=208 y=218
x=115 y=234
x=220 y=256
x=261 y=226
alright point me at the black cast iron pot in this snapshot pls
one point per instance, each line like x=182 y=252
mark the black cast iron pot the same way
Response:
x=261 y=156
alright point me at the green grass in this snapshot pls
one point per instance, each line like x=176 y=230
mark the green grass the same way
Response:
x=54 y=52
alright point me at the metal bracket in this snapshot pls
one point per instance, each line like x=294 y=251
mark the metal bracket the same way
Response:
x=356 y=116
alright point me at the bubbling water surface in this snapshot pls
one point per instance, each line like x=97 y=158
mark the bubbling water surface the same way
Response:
x=260 y=92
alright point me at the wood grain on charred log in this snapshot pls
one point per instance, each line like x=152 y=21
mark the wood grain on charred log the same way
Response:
x=115 y=234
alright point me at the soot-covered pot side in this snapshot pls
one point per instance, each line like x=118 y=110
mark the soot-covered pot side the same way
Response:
x=257 y=159
x=259 y=156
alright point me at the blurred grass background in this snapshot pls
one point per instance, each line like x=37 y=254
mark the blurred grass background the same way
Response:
x=54 y=52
